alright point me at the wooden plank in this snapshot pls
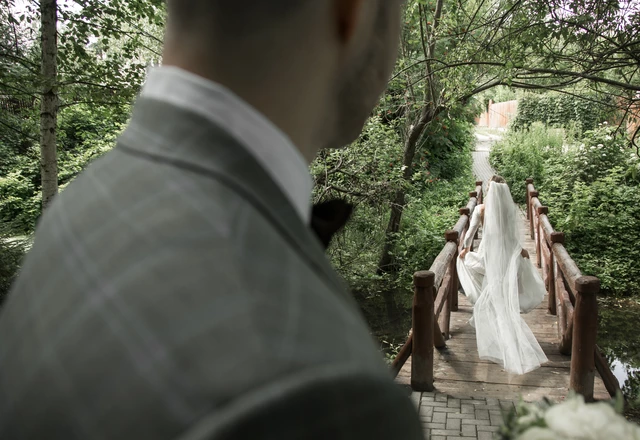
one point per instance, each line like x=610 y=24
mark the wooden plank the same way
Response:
x=546 y=227
x=461 y=225
x=555 y=359
x=441 y=263
x=565 y=262
x=488 y=373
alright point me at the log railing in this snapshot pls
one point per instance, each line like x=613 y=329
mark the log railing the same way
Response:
x=572 y=297
x=435 y=297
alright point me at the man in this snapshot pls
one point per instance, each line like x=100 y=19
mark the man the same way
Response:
x=176 y=289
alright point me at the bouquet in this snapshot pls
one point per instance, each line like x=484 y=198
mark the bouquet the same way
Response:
x=572 y=419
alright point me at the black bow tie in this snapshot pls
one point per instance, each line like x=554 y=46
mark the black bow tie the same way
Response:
x=327 y=218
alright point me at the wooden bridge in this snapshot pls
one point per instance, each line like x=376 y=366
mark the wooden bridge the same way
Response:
x=458 y=395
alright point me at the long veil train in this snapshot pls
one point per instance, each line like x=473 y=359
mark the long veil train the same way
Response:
x=510 y=285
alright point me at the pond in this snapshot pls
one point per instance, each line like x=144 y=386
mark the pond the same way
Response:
x=619 y=338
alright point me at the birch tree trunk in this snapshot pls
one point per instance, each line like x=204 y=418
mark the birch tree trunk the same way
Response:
x=49 y=104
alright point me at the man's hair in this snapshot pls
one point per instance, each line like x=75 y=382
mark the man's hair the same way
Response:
x=229 y=17
x=497 y=179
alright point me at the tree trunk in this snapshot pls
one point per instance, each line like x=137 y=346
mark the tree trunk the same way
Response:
x=386 y=264
x=49 y=104
x=429 y=111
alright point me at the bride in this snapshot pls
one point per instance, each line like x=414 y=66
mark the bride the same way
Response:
x=501 y=282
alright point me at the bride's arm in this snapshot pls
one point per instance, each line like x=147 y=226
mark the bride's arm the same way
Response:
x=471 y=232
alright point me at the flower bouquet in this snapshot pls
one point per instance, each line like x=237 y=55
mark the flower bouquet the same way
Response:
x=572 y=419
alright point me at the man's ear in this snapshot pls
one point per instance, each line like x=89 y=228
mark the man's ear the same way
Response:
x=347 y=13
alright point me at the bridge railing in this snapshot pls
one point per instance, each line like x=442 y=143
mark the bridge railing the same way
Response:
x=572 y=297
x=435 y=297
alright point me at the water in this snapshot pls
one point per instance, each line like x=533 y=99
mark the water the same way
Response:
x=619 y=338
x=627 y=376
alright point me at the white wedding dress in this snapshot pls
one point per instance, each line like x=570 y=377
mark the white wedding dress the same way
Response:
x=501 y=284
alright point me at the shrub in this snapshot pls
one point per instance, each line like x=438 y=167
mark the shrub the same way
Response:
x=603 y=230
x=12 y=250
x=561 y=110
x=522 y=154
x=591 y=194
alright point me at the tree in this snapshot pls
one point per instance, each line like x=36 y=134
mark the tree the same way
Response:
x=454 y=50
x=91 y=53
x=49 y=100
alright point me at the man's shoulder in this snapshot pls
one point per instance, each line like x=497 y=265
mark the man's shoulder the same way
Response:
x=180 y=276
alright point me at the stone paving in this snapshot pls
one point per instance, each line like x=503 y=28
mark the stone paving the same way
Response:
x=448 y=418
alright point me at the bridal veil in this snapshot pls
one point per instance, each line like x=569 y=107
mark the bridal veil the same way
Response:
x=510 y=284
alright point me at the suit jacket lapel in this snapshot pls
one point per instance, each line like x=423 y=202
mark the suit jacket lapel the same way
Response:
x=163 y=132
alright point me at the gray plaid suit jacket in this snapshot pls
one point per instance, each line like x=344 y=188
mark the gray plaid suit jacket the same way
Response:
x=173 y=293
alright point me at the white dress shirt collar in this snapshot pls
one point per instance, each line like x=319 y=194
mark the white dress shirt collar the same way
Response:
x=266 y=142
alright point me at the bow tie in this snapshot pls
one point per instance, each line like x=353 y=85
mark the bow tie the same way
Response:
x=327 y=218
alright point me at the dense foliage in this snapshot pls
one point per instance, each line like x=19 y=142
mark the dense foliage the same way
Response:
x=592 y=188
x=85 y=132
x=584 y=111
x=369 y=172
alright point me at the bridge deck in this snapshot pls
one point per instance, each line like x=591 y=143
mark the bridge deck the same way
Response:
x=470 y=392
x=458 y=371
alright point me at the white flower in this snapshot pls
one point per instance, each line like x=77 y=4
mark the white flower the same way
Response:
x=537 y=433
x=404 y=167
x=600 y=145
x=605 y=123
x=604 y=155
x=576 y=420
x=593 y=147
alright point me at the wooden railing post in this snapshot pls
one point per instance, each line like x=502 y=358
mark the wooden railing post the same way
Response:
x=556 y=237
x=452 y=288
x=467 y=212
x=480 y=196
x=585 y=326
x=527 y=182
x=422 y=331
x=474 y=194
x=532 y=194
x=541 y=210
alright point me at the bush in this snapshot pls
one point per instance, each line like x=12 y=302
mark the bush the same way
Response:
x=561 y=110
x=424 y=223
x=603 y=230
x=371 y=171
x=12 y=250
x=522 y=154
x=447 y=148
x=84 y=135
x=591 y=194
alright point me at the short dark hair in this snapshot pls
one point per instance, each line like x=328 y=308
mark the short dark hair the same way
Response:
x=229 y=17
x=497 y=179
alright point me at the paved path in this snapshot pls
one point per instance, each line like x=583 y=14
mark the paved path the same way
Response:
x=481 y=168
x=446 y=418
x=471 y=394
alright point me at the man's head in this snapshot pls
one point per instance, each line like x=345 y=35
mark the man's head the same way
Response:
x=316 y=68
